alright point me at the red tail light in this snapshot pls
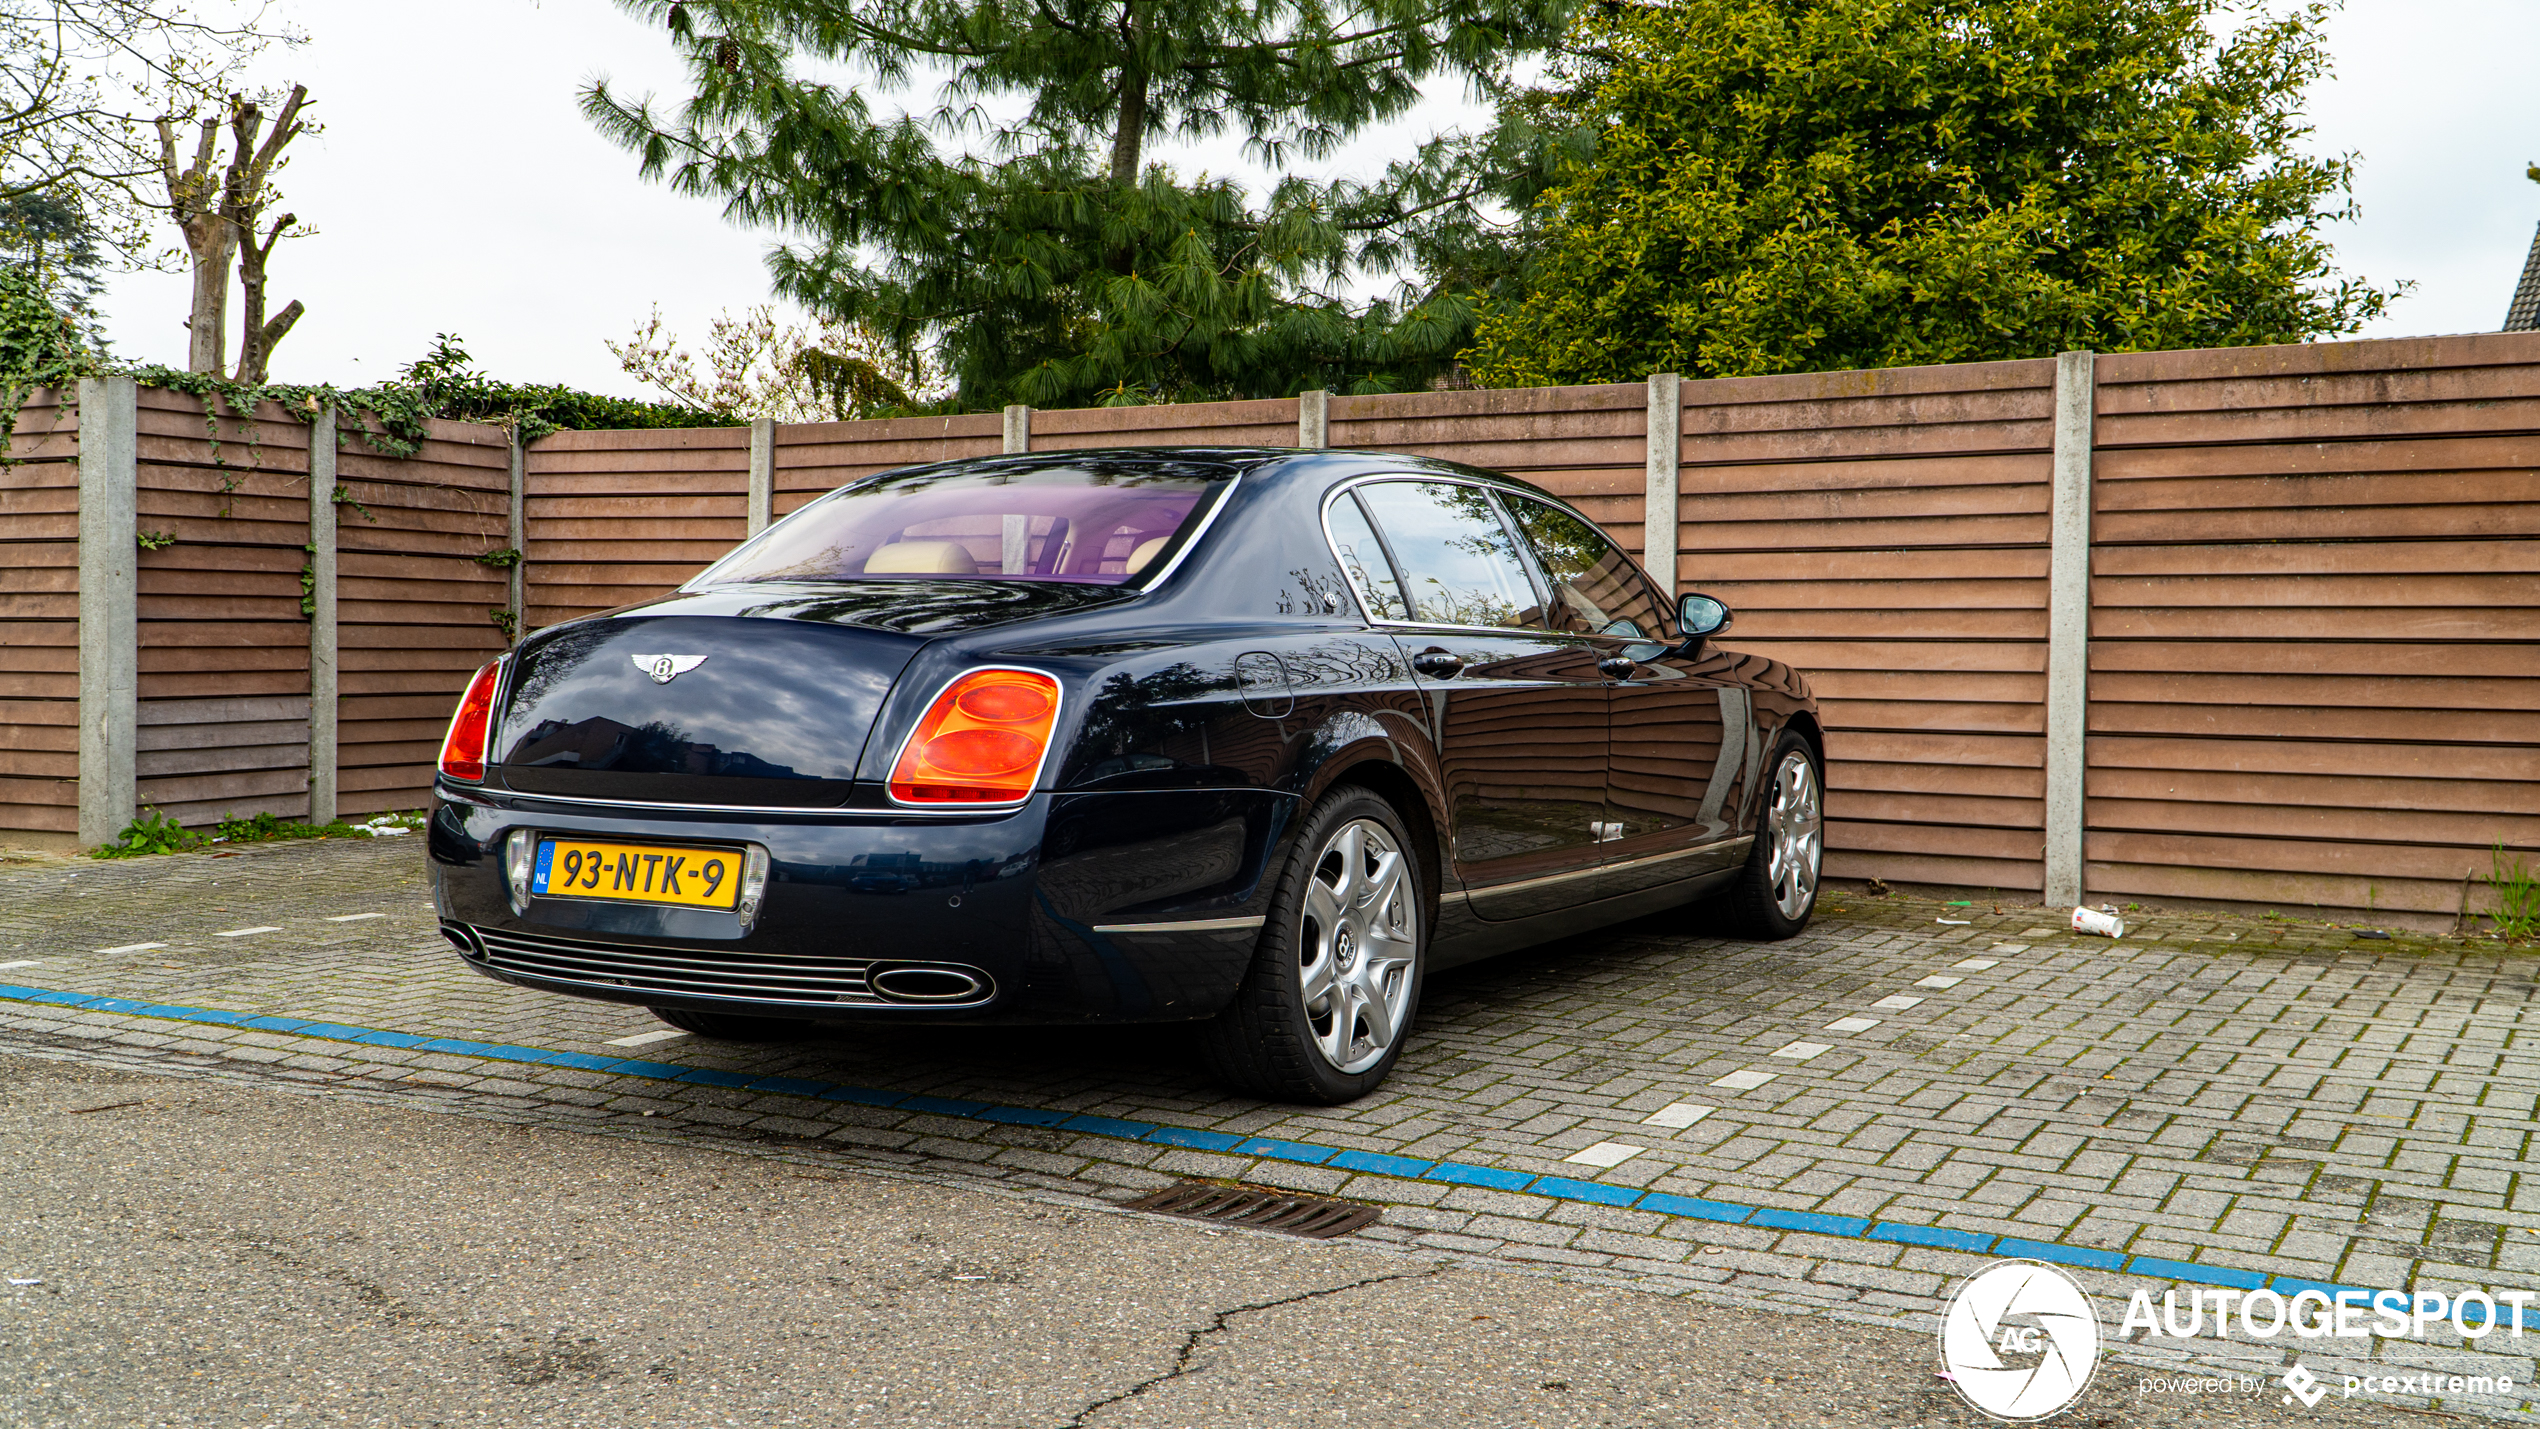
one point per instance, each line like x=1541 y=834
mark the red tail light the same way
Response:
x=982 y=742
x=463 y=750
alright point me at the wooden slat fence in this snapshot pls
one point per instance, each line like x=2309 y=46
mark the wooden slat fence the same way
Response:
x=820 y=457
x=2315 y=587
x=1886 y=532
x=2315 y=642
x=1584 y=443
x=224 y=659
x=39 y=618
x=615 y=517
x=415 y=607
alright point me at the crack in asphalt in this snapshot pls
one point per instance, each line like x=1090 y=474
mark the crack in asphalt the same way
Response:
x=1219 y=1322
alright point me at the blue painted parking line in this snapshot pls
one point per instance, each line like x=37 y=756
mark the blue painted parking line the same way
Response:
x=1286 y=1150
x=1378 y=1163
x=2080 y=1255
x=1490 y=1177
x=1937 y=1236
x=2159 y=1269
x=1455 y=1173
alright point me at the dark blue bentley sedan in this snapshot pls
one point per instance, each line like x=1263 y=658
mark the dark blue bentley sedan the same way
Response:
x=1253 y=739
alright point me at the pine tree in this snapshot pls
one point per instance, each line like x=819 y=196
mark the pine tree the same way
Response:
x=1053 y=261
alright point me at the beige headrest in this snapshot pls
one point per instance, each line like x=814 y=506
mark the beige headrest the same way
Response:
x=1147 y=551
x=922 y=558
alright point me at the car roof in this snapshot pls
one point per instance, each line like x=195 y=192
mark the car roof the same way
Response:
x=1273 y=464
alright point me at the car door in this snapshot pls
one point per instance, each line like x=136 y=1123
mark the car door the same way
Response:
x=1517 y=708
x=1675 y=727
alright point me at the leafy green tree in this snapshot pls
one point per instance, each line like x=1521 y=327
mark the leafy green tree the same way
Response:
x=1063 y=267
x=53 y=240
x=1797 y=185
x=40 y=345
x=445 y=382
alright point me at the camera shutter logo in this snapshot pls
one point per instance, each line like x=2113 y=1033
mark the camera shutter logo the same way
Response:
x=666 y=668
x=2019 y=1340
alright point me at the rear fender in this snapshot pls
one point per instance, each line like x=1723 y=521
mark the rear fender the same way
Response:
x=1356 y=748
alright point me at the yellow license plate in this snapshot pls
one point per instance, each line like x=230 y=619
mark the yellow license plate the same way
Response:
x=638 y=873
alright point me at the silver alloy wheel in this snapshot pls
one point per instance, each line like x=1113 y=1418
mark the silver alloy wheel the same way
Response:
x=1797 y=827
x=1355 y=944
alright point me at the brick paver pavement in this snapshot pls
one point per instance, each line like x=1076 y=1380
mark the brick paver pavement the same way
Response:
x=2251 y=1101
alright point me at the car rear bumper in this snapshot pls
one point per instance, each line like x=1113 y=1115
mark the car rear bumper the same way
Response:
x=1115 y=907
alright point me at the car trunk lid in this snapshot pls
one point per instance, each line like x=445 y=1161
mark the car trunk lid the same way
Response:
x=696 y=709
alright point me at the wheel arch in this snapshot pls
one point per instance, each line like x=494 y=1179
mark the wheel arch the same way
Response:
x=1396 y=785
x=1806 y=723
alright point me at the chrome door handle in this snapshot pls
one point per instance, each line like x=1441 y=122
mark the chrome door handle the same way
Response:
x=1438 y=664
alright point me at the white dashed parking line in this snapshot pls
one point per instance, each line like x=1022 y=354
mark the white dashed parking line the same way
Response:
x=133 y=948
x=243 y=932
x=22 y=963
x=1852 y=1024
x=1745 y=1079
x=1937 y=981
x=645 y=1039
x=1678 y=1115
x=1802 y=1051
x=354 y=917
x=1897 y=1003
x=1605 y=1154
x=1977 y=965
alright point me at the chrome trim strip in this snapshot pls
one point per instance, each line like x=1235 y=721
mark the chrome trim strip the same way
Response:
x=1197 y=532
x=1193 y=925
x=572 y=799
x=1552 y=878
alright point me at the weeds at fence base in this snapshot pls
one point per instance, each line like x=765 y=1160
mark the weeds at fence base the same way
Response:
x=2517 y=911
x=157 y=833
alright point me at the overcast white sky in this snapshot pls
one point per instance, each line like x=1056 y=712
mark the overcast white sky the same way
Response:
x=457 y=189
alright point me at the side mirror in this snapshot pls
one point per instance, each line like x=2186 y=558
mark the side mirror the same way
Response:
x=1700 y=615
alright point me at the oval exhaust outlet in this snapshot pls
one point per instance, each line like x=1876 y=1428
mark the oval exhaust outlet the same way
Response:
x=929 y=982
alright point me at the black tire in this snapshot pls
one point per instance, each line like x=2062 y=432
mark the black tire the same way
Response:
x=1759 y=905
x=1271 y=1041
x=730 y=1026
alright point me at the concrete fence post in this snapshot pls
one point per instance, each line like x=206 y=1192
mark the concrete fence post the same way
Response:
x=516 y=530
x=322 y=628
x=762 y=472
x=1018 y=430
x=109 y=608
x=2068 y=627
x=1314 y=419
x=1659 y=508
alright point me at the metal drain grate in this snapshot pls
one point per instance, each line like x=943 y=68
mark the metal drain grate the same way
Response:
x=1315 y=1217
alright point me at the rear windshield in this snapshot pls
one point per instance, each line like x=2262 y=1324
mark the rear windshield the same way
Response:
x=1080 y=525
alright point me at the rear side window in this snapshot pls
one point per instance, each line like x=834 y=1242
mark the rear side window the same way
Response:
x=1363 y=557
x=1084 y=525
x=1596 y=589
x=1456 y=556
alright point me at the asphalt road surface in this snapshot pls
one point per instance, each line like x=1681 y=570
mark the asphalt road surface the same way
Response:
x=213 y=1252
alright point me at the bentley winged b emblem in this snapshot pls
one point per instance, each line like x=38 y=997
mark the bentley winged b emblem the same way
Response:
x=666 y=668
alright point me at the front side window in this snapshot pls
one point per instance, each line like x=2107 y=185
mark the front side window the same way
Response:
x=1455 y=554
x=1596 y=589
x=1084 y=525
